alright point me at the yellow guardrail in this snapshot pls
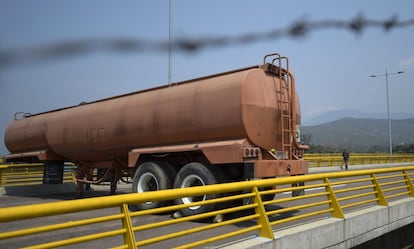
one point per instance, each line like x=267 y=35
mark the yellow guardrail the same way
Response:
x=21 y=174
x=32 y=173
x=327 y=195
x=318 y=160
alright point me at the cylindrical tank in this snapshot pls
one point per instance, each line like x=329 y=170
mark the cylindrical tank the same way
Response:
x=233 y=105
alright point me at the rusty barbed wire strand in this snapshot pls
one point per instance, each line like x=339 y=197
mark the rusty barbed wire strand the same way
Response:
x=300 y=28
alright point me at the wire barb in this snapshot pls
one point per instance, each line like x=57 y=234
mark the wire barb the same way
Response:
x=299 y=28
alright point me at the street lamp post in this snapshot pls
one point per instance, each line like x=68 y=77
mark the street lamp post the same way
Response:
x=388 y=103
x=170 y=42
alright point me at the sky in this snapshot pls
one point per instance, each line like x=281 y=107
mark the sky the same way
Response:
x=332 y=66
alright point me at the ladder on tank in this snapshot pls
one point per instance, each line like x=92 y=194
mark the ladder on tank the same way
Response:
x=285 y=105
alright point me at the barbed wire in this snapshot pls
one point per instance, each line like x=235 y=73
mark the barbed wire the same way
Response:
x=299 y=28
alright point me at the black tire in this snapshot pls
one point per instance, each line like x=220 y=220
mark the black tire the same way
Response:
x=196 y=174
x=269 y=197
x=152 y=176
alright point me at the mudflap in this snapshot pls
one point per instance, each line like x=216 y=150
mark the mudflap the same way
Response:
x=53 y=172
x=298 y=192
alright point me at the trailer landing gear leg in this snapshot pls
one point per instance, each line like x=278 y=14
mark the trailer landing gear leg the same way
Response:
x=114 y=186
x=80 y=176
x=79 y=189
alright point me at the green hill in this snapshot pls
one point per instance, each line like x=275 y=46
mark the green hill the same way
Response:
x=361 y=134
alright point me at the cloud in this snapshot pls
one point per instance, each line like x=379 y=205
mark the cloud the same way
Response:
x=407 y=61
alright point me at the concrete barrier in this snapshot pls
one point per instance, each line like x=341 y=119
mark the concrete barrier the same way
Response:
x=38 y=188
x=357 y=227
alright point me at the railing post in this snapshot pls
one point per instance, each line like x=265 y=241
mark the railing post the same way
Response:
x=129 y=235
x=27 y=174
x=337 y=210
x=263 y=220
x=1 y=177
x=73 y=174
x=382 y=200
x=410 y=185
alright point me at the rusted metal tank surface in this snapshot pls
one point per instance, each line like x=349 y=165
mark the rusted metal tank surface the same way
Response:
x=232 y=105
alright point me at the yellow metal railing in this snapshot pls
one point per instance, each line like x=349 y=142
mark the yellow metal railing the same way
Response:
x=32 y=173
x=29 y=174
x=318 y=160
x=247 y=211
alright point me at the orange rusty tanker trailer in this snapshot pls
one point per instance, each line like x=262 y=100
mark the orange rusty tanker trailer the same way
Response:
x=226 y=127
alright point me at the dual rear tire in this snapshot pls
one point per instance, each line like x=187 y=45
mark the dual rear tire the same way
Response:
x=152 y=176
x=196 y=174
x=157 y=175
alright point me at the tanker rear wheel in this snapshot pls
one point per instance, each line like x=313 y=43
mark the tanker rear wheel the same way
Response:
x=152 y=176
x=196 y=174
x=250 y=200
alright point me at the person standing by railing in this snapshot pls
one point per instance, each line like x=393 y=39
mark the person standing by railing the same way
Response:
x=345 y=156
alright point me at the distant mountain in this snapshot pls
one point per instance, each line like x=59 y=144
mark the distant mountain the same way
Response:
x=360 y=134
x=346 y=113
